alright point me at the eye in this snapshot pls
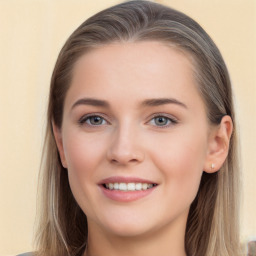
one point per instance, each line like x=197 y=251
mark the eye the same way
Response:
x=93 y=120
x=162 y=121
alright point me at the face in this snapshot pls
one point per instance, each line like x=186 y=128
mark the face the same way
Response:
x=134 y=137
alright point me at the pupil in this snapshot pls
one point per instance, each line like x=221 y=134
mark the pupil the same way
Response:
x=96 y=120
x=161 y=120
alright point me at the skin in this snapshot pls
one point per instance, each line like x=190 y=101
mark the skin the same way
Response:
x=128 y=141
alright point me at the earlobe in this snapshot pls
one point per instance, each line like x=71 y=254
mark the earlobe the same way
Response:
x=59 y=143
x=218 y=147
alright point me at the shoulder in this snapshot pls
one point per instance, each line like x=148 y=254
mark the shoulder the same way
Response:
x=26 y=254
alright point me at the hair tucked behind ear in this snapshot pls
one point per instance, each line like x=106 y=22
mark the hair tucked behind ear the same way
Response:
x=212 y=226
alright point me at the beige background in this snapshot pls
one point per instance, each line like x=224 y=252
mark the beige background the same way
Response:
x=31 y=35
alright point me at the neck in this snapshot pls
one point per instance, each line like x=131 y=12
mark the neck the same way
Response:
x=164 y=242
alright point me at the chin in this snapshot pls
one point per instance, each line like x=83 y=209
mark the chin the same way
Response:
x=134 y=225
x=126 y=226
x=129 y=230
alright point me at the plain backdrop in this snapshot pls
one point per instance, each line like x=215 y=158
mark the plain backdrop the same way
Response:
x=31 y=35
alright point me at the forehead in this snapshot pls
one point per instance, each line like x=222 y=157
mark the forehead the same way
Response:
x=134 y=69
x=151 y=53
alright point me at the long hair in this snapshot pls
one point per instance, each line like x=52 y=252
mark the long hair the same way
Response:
x=212 y=225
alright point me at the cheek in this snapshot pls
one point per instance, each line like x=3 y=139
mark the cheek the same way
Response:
x=83 y=156
x=83 y=153
x=181 y=163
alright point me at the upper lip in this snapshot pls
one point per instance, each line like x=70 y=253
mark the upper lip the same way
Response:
x=122 y=179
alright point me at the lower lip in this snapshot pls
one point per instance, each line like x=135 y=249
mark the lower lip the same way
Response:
x=126 y=196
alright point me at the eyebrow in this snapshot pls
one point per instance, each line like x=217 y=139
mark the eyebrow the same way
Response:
x=91 y=102
x=162 y=101
x=145 y=103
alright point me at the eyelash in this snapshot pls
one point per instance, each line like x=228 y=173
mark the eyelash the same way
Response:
x=83 y=120
x=170 y=120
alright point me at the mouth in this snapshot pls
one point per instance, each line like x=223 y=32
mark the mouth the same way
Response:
x=131 y=186
x=126 y=189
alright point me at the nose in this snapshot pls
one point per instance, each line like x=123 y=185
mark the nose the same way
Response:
x=125 y=148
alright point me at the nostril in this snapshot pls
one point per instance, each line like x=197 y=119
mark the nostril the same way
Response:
x=124 y=155
x=124 y=160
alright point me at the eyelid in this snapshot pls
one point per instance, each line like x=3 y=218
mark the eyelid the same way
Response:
x=164 y=115
x=83 y=119
x=172 y=119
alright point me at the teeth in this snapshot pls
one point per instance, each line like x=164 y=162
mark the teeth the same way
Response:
x=123 y=186
x=144 y=186
x=138 y=186
x=116 y=186
x=129 y=186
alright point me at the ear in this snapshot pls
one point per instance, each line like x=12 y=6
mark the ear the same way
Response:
x=218 y=146
x=59 y=142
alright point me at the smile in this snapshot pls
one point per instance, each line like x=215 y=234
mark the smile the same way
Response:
x=129 y=186
x=127 y=189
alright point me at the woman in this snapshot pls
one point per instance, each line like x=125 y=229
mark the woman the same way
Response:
x=140 y=148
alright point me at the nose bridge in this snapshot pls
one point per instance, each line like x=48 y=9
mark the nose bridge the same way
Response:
x=125 y=145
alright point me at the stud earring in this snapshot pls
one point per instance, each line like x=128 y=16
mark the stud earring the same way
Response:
x=212 y=166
